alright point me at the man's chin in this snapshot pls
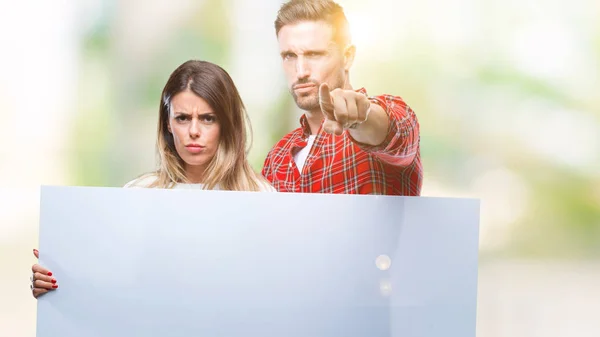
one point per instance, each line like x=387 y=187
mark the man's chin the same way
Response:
x=307 y=105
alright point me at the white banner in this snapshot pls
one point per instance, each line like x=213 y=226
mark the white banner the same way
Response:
x=152 y=262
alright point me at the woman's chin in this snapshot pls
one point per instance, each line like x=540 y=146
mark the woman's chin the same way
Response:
x=195 y=164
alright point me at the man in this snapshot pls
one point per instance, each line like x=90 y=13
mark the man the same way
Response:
x=347 y=142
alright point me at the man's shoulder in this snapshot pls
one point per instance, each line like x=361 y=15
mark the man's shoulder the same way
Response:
x=287 y=140
x=278 y=153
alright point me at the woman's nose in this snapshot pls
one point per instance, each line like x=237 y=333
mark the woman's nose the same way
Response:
x=194 y=129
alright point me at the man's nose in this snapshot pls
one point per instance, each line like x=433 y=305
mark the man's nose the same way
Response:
x=302 y=68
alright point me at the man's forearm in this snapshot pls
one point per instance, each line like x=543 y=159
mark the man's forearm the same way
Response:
x=374 y=130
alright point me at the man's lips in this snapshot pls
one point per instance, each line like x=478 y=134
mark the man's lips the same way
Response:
x=304 y=86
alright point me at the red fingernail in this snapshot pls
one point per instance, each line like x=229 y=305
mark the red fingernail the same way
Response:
x=49 y=273
x=55 y=286
x=53 y=281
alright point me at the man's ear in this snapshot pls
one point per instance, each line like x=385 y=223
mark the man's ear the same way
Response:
x=349 y=53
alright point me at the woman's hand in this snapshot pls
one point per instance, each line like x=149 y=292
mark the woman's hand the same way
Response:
x=41 y=278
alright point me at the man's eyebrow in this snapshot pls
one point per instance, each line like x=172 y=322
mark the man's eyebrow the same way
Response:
x=318 y=51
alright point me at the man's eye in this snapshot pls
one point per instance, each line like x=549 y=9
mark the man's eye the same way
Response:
x=314 y=54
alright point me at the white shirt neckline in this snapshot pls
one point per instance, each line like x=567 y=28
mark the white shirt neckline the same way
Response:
x=300 y=156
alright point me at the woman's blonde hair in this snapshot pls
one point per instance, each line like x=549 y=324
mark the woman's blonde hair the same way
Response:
x=229 y=168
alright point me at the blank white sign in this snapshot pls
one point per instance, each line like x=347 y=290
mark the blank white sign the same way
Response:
x=152 y=262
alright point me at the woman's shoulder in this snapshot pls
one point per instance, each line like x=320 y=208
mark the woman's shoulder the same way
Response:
x=148 y=180
x=265 y=186
x=143 y=181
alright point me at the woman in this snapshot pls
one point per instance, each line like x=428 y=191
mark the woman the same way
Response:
x=201 y=142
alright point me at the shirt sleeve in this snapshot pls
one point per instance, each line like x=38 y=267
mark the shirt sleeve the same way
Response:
x=401 y=144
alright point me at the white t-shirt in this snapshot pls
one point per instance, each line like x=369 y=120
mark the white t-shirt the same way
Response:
x=147 y=180
x=300 y=156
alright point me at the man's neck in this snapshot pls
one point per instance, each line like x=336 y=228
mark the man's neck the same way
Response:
x=315 y=119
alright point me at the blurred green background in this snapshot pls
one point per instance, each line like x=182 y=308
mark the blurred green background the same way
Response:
x=507 y=95
x=502 y=104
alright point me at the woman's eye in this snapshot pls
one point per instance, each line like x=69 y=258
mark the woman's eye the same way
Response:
x=209 y=119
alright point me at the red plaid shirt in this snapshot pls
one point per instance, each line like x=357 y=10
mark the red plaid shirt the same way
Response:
x=339 y=164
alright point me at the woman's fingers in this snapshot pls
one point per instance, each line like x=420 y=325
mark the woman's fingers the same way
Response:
x=44 y=285
x=37 y=292
x=42 y=280
x=36 y=268
x=45 y=278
